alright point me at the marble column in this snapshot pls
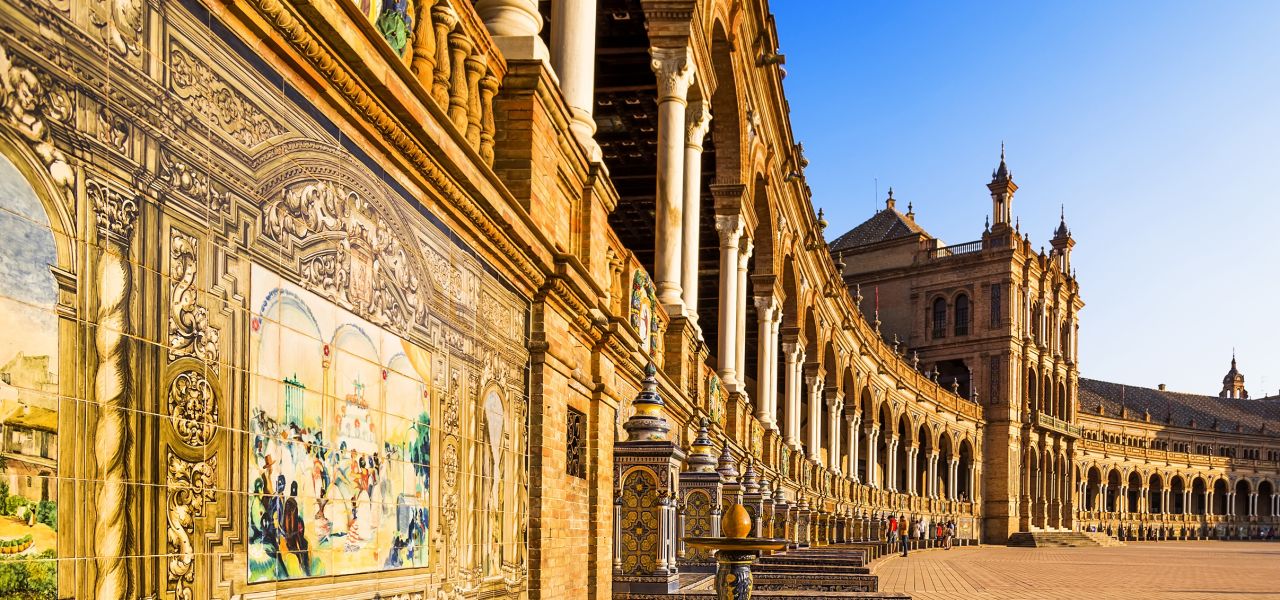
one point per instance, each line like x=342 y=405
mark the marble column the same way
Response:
x=674 y=70
x=912 y=476
x=773 y=364
x=794 y=356
x=932 y=488
x=953 y=478
x=835 y=405
x=873 y=451
x=891 y=464
x=730 y=230
x=745 y=248
x=766 y=362
x=514 y=25
x=854 y=424
x=815 y=416
x=698 y=122
x=573 y=54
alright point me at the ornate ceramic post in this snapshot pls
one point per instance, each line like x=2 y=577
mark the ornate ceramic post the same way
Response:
x=647 y=467
x=701 y=496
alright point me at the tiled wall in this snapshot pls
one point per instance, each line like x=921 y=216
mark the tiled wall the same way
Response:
x=237 y=358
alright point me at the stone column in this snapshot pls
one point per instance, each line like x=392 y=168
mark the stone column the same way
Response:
x=698 y=122
x=815 y=416
x=1253 y=504
x=891 y=464
x=730 y=230
x=854 y=424
x=873 y=459
x=773 y=364
x=912 y=475
x=740 y=311
x=954 y=479
x=794 y=356
x=835 y=405
x=573 y=54
x=674 y=70
x=515 y=24
x=932 y=489
x=766 y=362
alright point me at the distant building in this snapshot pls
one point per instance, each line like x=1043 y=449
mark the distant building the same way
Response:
x=29 y=426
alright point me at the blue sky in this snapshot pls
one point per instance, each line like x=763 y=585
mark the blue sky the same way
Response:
x=1157 y=125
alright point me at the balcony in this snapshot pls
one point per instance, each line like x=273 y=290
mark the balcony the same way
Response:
x=1053 y=423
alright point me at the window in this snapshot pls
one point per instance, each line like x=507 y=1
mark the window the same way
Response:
x=993 y=379
x=576 y=451
x=996 y=301
x=939 y=318
x=962 y=315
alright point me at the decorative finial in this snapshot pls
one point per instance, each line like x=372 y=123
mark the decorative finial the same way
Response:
x=727 y=469
x=822 y=221
x=750 y=483
x=986 y=224
x=915 y=360
x=648 y=423
x=702 y=455
x=890 y=202
x=911 y=210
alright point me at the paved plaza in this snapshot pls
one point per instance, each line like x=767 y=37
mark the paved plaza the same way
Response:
x=1177 y=570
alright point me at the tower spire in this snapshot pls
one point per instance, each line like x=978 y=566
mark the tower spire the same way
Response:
x=1002 y=188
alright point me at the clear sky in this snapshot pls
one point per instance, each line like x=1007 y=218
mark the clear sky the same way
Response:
x=1157 y=125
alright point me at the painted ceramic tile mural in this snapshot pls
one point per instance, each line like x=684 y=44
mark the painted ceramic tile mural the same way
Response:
x=28 y=393
x=341 y=436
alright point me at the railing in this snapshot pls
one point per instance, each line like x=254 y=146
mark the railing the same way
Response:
x=1048 y=421
x=955 y=249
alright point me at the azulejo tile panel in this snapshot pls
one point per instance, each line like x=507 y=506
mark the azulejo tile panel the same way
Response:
x=238 y=361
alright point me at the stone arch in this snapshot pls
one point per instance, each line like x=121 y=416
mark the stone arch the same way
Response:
x=1242 y=490
x=726 y=104
x=343 y=231
x=946 y=453
x=1266 y=495
x=964 y=470
x=39 y=261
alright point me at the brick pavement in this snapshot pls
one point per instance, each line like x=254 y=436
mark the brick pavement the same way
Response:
x=1165 y=570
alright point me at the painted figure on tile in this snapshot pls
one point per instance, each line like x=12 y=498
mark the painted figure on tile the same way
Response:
x=341 y=440
x=28 y=391
x=644 y=302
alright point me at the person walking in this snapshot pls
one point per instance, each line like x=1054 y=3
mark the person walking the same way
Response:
x=905 y=538
x=947 y=533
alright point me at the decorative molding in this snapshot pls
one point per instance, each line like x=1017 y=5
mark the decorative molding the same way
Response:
x=189 y=331
x=295 y=34
x=29 y=101
x=115 y=212
x=193 y=408
x=674 y=70
x=359 y=263
x=190 y=485
x=121 y=23
x=218 y=103
x=191 y=181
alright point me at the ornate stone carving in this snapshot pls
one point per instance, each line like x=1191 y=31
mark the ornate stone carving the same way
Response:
x=220 y=105
x=697 y=123
x=360 y=264
x=190 y=485
x=189 y=331
x=121 y=23
x=674 y=71
x=115 y=212
x=29 y=101
x=192 y=182
x=193 y=408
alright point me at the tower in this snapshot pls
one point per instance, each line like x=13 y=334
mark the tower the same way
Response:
x=1233 y=382
x=1063 y=242
x=1002 y=188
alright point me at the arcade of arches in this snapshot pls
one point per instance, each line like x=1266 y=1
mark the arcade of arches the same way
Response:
x=448 y=299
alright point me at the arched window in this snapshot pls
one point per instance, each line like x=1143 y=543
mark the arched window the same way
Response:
x=962 y=315
x=939 y=318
